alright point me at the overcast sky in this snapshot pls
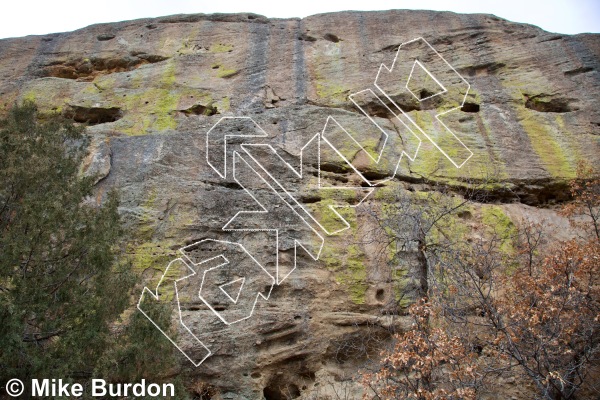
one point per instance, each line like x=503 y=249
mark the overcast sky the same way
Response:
x=28 y=17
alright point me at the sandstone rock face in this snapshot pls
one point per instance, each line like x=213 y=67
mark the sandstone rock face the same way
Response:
x=150 y=90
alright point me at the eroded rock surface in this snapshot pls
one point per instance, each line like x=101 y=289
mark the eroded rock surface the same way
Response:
x=151 y=89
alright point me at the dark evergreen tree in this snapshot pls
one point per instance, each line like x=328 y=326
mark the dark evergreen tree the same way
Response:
x=61 y=282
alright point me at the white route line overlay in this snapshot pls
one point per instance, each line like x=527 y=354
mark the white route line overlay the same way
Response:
x=237 y=156
x=156 y=297
x=418 y=63
x=288 y=198
x=390 y=69
x=239 y=291
x=224 y=263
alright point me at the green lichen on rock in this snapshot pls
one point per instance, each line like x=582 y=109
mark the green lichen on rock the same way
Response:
x=498 y=224
x=29 y=96
x=150 y=255
x=400 y=281
x=328 y=85
x=355 y=276
x=332 y=202
x=147 y=221
x=347 y=265
x=225 y=73
x=165 y=105
x=334 y=92
x=153 y=108
x=220 y=48
x=345 y=261
x=550 y=143
x=153 y=111
x=452 y=227
x=223 y=105
x=151 y=259
x=369 y=144
x=105 y=82
x=431 y=161
x=354 y=273
x=327 y=216
x=49 y=94
x=168 y=77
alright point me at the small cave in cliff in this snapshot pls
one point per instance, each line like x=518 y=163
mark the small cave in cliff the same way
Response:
x=425 y=93
x=103 y=37
x=307 y=38
x=199 y=109
x=383 y=108
x=543 y=103
x=470 y=107
x=408 y=103
x=86 y=69
x=332 y=38
x=377 y=109
x=484 y=69
x=281 y=392
x=93 y=115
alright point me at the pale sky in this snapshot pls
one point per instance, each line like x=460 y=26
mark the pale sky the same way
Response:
x=29 y=17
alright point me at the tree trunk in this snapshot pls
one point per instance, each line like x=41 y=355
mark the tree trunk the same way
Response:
x=422 y=269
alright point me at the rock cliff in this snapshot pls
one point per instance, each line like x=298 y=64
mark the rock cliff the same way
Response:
x=151 y=89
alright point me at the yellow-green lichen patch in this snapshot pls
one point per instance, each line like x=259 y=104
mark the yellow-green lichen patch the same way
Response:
x=91 y=90
x=345 y=260
x=334 y=92
x=348 y=268
x=442 y=218
x=550 y=143
x=479 y=170
x=151 y=259
x=224 y=72
x=150 y=256
x=158 y=105
x=328 y=75
x=400 y=281
x=369 y=144
x=473 y=96
x=355 y=275
x=152 y=109
x=29 y=96
x=51 y=95
x=451 y=229
x=388 y=192
x=149 y=110
x=186 y=47
x=331 y=203
x=220 y=48
x=437 y=211
x=147 y=220
x=431 y=161
x=168 y=77
x=326 y=211
x=105 y=82
x=500 y=226
x=165 y=106
x=223 y=105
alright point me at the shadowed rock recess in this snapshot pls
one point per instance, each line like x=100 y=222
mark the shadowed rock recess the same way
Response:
x=150 y=89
